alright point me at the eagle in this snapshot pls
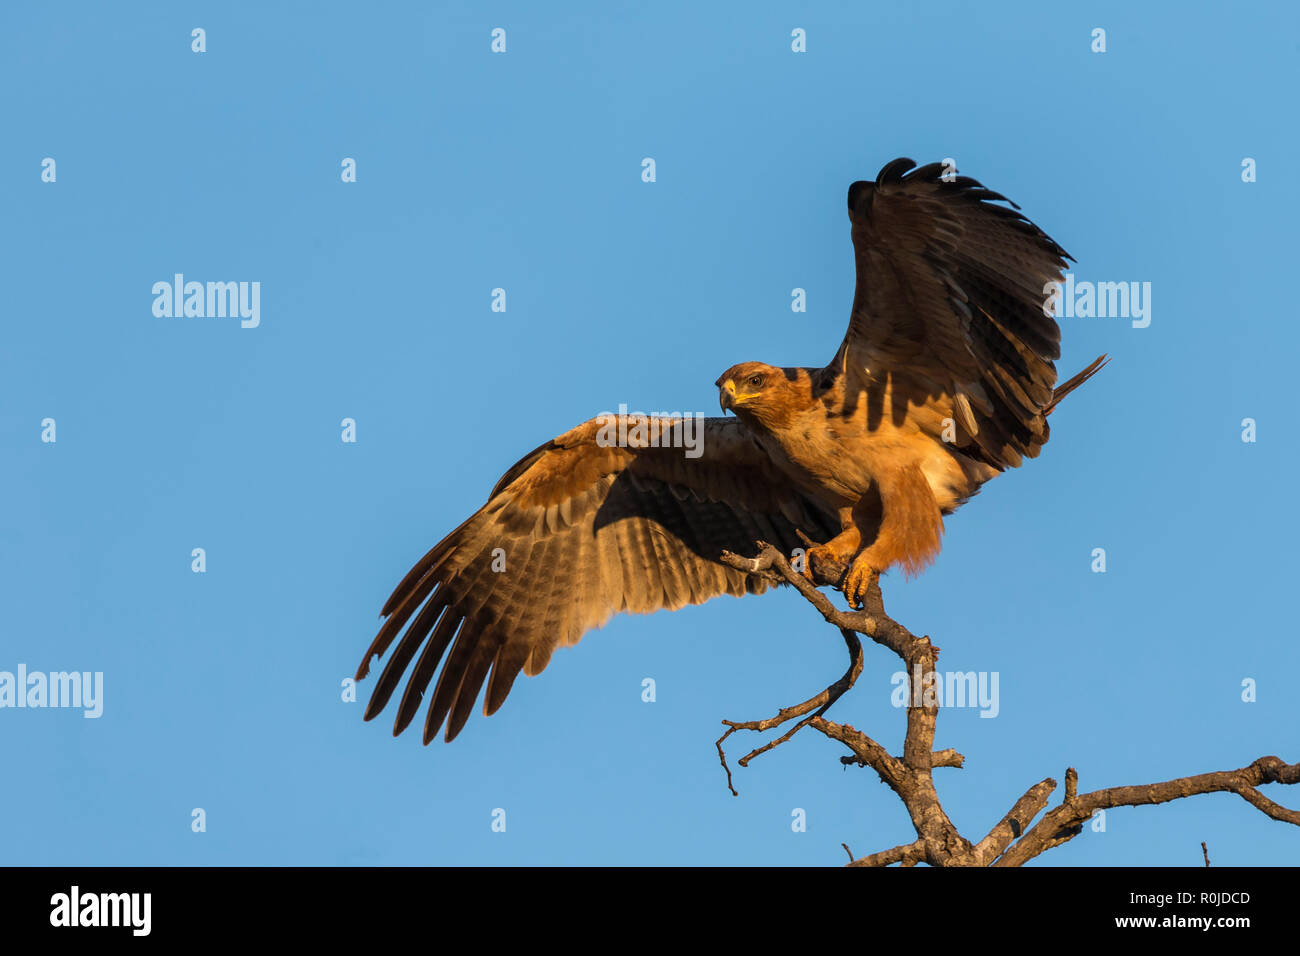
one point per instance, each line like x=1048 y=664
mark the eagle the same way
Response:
x=944 y=379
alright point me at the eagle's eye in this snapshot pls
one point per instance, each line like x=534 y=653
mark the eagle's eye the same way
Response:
x=756 y=380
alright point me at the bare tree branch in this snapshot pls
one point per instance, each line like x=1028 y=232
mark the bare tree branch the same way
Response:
x=1066 y=821
x=1012 y=841
x=1012 y=826
x=822 y=700
x=912 y=852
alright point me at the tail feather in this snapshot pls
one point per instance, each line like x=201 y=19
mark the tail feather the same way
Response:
x=1063 y=390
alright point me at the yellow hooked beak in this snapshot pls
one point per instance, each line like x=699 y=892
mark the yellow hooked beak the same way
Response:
x=728 y=397
x=727 y=394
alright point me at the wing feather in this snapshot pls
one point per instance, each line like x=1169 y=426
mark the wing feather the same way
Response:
x=949 y=302
x=586 y=531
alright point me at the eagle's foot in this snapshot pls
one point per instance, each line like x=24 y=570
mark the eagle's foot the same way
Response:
x=862 y=574
x=826 y=560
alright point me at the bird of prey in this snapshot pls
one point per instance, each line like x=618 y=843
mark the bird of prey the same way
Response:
x=944 y=379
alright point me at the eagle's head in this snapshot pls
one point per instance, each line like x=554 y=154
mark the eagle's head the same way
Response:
x=757 y=392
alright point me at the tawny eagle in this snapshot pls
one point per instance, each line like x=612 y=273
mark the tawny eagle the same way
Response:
x=944 y=379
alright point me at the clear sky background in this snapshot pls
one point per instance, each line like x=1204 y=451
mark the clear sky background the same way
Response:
x=523 y=171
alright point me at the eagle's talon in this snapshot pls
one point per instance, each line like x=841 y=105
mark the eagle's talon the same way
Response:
x=857 y=583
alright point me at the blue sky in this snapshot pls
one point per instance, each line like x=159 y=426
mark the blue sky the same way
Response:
x=523 y=171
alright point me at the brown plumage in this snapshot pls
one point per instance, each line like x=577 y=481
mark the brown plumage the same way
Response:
x=944 y=379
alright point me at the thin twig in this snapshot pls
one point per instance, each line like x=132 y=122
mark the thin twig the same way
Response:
x=821 y=700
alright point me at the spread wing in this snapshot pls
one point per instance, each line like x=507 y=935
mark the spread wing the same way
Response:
x=949 y=303
x=575 y=532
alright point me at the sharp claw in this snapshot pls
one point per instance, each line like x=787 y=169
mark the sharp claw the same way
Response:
x=858 y=583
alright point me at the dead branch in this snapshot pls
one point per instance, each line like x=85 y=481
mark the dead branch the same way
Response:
x=1012 y=841
x=821 y=700
x=1066 y=821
